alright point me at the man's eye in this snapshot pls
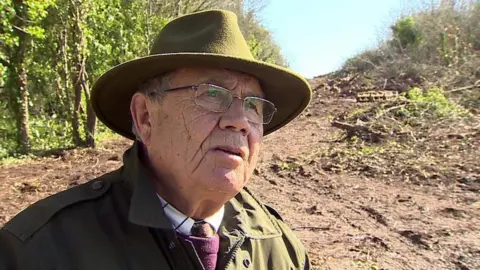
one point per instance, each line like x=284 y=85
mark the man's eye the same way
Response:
x=251 y=105
x=212 y=92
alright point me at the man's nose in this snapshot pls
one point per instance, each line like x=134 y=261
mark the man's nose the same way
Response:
x=234 y=118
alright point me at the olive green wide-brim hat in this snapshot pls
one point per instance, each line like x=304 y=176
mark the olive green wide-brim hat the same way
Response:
x=204 y=39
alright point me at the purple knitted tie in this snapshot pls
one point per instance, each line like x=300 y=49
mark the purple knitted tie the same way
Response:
x=206 y=243
x=202 y=229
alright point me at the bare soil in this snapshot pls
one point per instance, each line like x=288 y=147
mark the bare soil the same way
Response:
x=348 y=219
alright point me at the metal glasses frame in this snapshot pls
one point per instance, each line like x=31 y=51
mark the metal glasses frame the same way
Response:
x=197 y=86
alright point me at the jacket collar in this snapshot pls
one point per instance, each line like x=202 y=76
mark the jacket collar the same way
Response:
x=145 y=207
x=249 y=216
x=243 y=213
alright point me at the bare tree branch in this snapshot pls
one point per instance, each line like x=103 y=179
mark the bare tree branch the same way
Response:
x=20 y=30
x=22 y=19
x=200 y=7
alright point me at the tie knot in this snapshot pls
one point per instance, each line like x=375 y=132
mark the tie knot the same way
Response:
x=202 y=229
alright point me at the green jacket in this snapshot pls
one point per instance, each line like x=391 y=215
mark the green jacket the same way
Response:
x=116 y=222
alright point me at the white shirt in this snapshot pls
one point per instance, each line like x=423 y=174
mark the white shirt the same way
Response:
x=183 y=224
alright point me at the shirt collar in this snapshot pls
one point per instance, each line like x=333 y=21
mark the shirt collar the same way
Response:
x=183 y=224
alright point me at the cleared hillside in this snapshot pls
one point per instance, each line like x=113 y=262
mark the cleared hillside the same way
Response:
x=355 y=203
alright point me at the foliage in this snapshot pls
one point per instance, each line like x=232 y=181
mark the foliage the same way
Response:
x=68 y=44
x=7 y=131
x=435 y=45
x=405 y=32
x=260 y=40
x=49 y=132
x=20 y=30
x=263 y=46
x=366 y=265
x=432 y=104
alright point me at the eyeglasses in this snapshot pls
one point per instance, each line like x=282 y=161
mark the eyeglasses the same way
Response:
x=218 y=99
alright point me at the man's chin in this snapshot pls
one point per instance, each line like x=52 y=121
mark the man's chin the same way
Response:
x=225 y=179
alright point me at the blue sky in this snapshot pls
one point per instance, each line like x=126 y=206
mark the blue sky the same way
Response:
x=317 y=36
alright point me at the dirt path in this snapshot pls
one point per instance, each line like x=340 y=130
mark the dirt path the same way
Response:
x=347 y=221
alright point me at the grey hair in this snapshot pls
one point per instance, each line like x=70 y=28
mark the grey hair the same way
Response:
x=154 y=88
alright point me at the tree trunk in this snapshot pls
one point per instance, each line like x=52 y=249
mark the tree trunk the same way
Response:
x=64 y=73
x=22 y=117
x=91 y=125
x=91 y=117
x=18 y=100
x=76 y=111
x=78 y=68
x=19 y=87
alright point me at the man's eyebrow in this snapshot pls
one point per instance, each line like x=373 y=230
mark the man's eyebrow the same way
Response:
x=252 y=94
x=219 y=81
x=216 y=81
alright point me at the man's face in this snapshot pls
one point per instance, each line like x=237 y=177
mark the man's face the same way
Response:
x=191 y=147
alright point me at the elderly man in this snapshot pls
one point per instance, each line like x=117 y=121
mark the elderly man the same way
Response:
x=197 y=108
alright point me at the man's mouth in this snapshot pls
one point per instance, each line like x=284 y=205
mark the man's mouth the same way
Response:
x=230 y=150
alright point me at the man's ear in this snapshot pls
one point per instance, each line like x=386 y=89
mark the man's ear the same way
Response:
x=141 y=117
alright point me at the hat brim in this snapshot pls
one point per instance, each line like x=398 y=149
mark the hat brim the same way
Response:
x=112 y=92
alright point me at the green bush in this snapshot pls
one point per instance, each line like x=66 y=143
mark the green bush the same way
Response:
x=405 y=32
x=103 y=133
x=432 y=104
x=47 y=132
x=50 y=132
x=8 y=131
x=437 y=44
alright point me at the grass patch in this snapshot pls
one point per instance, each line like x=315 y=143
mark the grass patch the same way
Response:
x=365 y=265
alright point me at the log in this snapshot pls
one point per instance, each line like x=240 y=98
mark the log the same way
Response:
x=358 y=130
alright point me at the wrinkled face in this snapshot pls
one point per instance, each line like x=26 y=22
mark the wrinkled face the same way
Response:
x=199 y=151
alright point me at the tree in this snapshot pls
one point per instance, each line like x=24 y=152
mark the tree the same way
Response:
x=18 y=31
x=405 y=33
x=259 y=39
x=52 y=51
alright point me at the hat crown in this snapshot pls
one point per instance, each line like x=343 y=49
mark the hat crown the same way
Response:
x=211 y=32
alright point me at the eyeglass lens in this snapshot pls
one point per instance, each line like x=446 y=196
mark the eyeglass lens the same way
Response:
x=218 y=99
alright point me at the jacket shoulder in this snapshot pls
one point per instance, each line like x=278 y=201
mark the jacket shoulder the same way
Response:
x=34 y=217
x=273 y=212
x=266 y=208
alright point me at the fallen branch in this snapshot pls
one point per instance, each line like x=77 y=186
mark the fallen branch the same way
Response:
x=313 y=228
x=351 y=79
x=457 y=135
x=358 y=130
x=389 y=109
x=476 y=84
